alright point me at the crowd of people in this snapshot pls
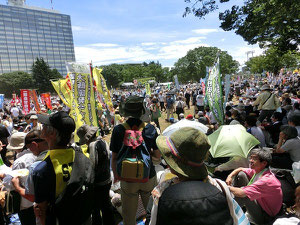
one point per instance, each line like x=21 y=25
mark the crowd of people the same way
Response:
x=140 y=173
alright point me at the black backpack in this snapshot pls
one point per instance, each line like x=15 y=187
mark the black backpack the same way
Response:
x=100 y=161
x=73 y=205
x=288 y=186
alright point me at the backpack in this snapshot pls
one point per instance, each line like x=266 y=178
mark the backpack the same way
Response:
x=133 y=160
x=288 y=186
x=99 y=157
x=74 y=204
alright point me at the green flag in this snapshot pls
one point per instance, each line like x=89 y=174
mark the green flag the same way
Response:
x=214 y=94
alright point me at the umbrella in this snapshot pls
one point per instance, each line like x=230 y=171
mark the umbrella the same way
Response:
x=231 y=140
x=184 y=123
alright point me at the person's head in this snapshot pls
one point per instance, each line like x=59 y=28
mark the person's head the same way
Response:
x=250 y=121
x=57 y=129
x=227 y=114
x=266 y=87
x=259 y=159
x=133 y=106
x=184 y=152
x=35 y=143
x=181 y=116
x=16 y=142
x=34 y=120
x=294 y=119
x=27 y=118
x=288 y=101
x=86 y=134
x=189 y=117
x=277 y=116
x=227 y=108
x=289 y=132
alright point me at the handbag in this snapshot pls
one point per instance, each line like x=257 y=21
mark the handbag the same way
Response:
x=12 y=202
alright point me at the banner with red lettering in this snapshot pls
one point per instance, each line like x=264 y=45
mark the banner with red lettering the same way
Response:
x=34 y=98
x=46 y=99
x=25 y=97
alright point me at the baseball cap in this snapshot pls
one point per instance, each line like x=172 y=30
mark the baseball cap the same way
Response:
x=61 y=121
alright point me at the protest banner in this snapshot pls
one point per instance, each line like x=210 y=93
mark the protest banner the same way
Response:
x=148 y=90
x=176 y=82
x=227 y=88
x=25 y=97
x=102 y=87
x=34 y=99
x=82 y=103
x=1 y=100
x=214 y=93
x=46 y=98
x=62 y=89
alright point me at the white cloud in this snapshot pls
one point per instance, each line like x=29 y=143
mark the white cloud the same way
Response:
x=240 y=53
x=190 y=40
x=148 y=44
x=77 y=28
x=102 y=54
x=205 y=31
x=103 y=45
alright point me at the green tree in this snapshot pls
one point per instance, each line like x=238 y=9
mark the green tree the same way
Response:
x=14 y=81
x=268 y=23
x=112 y=75
x=115 y=74
x=272 y=60
x=192 y=67
x=42 y=74
x=256 y=64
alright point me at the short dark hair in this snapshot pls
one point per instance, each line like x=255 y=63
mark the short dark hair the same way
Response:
x=277 y=115
x=289 y=131
x=33 y=135
x=251 y=120
x=262 y=154
x=294 y=118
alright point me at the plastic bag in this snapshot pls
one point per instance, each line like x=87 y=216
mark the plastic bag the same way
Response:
x=296 y=171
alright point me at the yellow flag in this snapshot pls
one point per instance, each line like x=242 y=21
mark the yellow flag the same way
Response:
x=102 y=87
x=63 y=91
x=148 y=91
x=83 y=108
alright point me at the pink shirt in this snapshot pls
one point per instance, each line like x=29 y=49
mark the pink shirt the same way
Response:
x=266 y=191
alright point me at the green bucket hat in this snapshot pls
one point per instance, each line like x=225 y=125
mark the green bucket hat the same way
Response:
x=133 y=106
x=185 y=151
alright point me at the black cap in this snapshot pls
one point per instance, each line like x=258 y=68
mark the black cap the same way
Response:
x=61 y=121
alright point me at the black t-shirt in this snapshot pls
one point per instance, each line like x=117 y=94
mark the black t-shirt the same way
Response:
x=149 y=135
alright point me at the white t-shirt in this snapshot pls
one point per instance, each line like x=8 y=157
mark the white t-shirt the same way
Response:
x=14 y=111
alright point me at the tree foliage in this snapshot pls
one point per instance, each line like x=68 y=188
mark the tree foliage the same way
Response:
x=272 y=60
x=42 y=74
x=116 y=74
x=14 y=81
x=268 y=23
x=192 y=67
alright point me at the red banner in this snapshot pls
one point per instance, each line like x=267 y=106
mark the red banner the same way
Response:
x=25 y=96
x=46 y=99
x=34 y=98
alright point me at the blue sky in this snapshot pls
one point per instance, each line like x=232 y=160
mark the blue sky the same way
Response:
x=134 y=31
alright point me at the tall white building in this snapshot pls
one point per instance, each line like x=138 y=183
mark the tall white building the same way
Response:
x=29 y=32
